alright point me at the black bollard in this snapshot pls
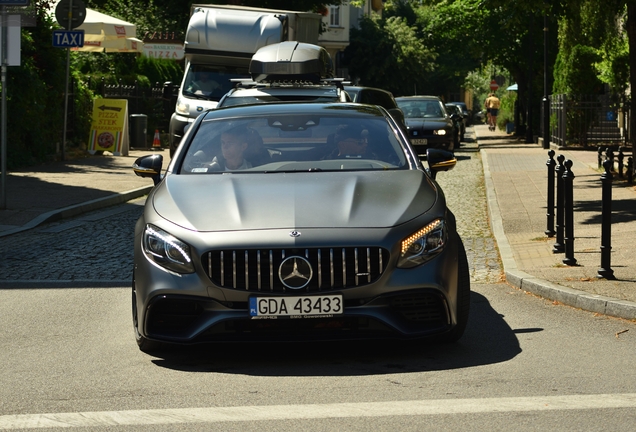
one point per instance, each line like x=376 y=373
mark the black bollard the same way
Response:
x=606 y=224
x=559 y=246
x=630 y=170
x=620 y=158
x=610 y=156
x=568 y=205
x=599 y=157
x=550 y=206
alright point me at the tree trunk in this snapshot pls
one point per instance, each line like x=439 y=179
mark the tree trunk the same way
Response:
x=631 y=34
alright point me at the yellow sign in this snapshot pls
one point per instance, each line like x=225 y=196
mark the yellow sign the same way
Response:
x=109 y=128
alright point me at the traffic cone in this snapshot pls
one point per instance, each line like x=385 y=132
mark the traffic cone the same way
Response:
x=156 y=142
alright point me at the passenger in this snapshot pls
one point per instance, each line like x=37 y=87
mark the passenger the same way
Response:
x=234 y=142
x=351 y=143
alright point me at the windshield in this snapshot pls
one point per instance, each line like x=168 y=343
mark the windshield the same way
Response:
x=422 y=109
x=290 y=143
x=209 y=82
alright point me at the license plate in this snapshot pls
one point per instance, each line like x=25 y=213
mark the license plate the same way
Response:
x=419 y=141
x=296 y=306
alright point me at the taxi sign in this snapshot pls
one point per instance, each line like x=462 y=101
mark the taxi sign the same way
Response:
x=68 y=39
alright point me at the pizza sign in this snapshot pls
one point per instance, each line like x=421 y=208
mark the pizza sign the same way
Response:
x=109 y=127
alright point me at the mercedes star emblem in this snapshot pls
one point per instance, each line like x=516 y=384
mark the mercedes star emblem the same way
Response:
x=295 y=272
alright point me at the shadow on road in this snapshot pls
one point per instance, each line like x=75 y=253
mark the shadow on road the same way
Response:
x=488 y=339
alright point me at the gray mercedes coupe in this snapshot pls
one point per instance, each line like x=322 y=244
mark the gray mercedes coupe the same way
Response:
x=297 y=221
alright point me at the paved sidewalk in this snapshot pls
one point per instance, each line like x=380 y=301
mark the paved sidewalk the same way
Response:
x=58 y=190
x=516 y=184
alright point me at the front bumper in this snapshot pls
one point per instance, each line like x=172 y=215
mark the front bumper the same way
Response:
x=401 y=304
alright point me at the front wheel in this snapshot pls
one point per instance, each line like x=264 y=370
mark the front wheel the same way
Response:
x=463 y=298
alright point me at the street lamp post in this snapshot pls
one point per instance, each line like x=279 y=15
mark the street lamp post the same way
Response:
x=546 y=98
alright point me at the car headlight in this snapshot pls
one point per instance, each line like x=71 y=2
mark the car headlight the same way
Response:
x=440 y=132
x=166 y=250
x=182 y=107
x=423 y=245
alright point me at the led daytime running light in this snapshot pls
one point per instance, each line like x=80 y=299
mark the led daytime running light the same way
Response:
x=168 y=240
x=406 y=243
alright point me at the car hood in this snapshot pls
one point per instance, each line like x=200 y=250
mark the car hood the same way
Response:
x=225 y=202
x=419 y=123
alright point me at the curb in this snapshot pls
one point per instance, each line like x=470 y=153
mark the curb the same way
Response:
x=548 y=290
x=81 y=208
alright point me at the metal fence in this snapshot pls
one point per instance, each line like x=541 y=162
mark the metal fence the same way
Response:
x=157 y=103
x=589 y=120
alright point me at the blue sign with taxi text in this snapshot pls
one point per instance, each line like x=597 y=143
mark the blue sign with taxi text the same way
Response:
x=68 y=38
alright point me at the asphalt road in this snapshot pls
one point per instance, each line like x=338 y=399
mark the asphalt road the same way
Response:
x=68 y=357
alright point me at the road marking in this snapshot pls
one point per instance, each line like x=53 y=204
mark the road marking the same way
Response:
x=317 y=411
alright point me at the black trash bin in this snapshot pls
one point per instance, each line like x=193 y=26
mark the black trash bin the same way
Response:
x=138 y=131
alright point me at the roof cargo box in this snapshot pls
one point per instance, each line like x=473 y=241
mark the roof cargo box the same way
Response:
x=291 y=62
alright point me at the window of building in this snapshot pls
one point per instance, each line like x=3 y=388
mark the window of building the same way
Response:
x=334 y=16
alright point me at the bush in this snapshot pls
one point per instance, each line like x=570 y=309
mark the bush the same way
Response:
x=507 y=109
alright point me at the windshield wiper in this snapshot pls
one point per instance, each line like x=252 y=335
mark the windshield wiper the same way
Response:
x=197 y=96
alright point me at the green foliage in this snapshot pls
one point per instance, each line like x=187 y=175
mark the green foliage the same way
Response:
x=575 y=72
x=613 y=69
x=507 y=110
x=35 y=97
x=127 y=68
x=383 y=48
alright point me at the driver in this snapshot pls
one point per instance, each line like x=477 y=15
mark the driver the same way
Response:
x=204 y=84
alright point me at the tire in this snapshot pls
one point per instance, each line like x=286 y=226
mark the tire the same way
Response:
x=145 y=345
x=451 y=145
x=463 y=298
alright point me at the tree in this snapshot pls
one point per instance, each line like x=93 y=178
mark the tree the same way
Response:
x=383 y=48
x=35 y=94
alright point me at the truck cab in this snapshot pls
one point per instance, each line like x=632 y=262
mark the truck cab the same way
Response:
x=219 y=44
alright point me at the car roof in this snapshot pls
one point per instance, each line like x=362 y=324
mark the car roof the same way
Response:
x=334 y=108
x=405 y=98
x=360 y=88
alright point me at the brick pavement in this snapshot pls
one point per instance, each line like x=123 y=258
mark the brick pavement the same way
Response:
x=516 y=181
x=507 y=189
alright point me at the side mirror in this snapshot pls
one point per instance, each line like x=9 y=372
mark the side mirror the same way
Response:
x=149 y=166
x=440 y=160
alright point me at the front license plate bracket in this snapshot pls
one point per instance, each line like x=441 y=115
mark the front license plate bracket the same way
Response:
x=296 y=306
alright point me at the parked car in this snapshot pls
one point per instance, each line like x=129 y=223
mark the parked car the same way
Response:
x=428 y=124
x=376 y=96
x=465 y=112
x=339 y=232
x=458 y=119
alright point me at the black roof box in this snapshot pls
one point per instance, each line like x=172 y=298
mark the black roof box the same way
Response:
x=293 y=62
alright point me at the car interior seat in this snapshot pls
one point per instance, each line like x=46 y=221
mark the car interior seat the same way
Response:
x=256 y=152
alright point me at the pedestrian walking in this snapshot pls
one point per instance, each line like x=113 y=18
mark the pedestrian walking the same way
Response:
x=492 y=105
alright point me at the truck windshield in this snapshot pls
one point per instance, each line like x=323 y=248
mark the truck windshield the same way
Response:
x=209 y=82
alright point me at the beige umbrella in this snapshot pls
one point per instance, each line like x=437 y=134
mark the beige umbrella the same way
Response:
x=106 y=33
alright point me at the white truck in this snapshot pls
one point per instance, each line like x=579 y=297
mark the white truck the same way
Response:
x=219 y=44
